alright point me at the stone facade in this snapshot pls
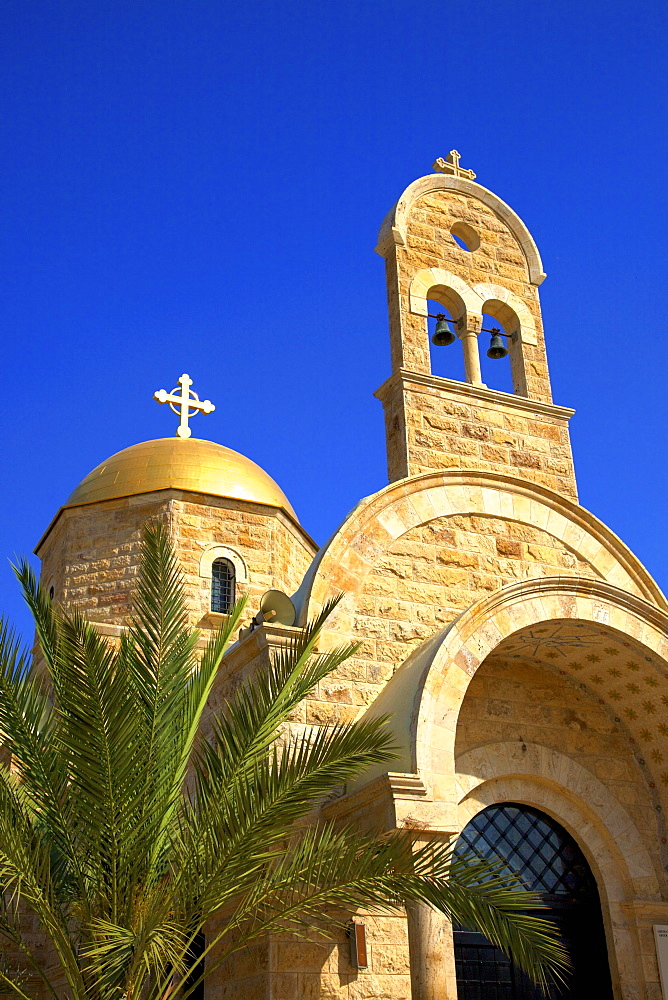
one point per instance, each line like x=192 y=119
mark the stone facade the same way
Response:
x=91 y=553
x=435 y=423
x=519 y=648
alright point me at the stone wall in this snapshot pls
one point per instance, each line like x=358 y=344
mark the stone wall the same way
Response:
x=276 y=551
x=91 y=553
x=310 y=971
x=424 y=580
x=283 y=968
x=434 y=423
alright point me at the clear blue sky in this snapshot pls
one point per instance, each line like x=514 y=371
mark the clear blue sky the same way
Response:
x=197 y=185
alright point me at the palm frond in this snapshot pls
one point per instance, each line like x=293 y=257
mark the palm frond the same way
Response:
x=98 y=734
x=327 y=871
x=250 y=722
x=26 y=873
x=124 y=829
x=248 y=815
x=42 y=609
x=27 y=733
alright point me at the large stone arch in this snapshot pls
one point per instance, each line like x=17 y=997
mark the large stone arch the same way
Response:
x=607 y=834
x=346 y=560
x=540 y=776
x=425 y=695
x=393 y=229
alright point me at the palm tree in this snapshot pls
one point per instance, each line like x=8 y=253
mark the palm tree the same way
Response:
x=124 y=831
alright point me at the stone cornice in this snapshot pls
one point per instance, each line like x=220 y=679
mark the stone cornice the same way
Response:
x=398 y=801
x=238 y=654
x=255 y=644
x=434 y=384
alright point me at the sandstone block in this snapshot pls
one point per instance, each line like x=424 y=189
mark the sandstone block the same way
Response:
x=508 y=547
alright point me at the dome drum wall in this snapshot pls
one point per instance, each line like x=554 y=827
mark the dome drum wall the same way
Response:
x=208 y=495
x=92 y=552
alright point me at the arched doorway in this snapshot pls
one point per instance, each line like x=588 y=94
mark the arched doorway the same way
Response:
x=550 y=862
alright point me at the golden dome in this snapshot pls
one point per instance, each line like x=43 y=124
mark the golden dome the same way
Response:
x=182 y=464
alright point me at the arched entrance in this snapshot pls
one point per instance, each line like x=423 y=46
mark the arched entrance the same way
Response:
x=591 y=648
x=550 y=862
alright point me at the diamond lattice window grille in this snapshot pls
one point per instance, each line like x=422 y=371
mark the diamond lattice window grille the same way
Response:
x=535 y=848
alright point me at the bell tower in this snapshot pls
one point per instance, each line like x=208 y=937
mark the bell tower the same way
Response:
x=453 y=242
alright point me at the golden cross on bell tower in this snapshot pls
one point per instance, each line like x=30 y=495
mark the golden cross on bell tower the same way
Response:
x=183 y=403
x=450 y=165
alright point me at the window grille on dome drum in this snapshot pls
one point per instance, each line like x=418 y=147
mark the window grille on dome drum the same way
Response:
x=223 y=585
x=550 y=863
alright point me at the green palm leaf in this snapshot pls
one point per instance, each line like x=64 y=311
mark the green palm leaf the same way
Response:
x=132 y=815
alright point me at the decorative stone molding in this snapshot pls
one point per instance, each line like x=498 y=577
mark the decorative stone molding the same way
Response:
x=434 y=277
x=389 y=801
x=472 y=394
x=371 y=528
x=514 y=305
x=253 y=646
x=516 y=319
x=213 y=552
x=562 y=787
x=393 y=230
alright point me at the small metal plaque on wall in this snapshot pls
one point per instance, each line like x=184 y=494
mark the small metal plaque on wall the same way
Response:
x=661 y=942
x=357 y=935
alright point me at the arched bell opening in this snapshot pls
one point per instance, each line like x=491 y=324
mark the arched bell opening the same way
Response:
x=501 y=358
x=445 y=349
x=494 y=344
x=549 y=861
x=446 y=311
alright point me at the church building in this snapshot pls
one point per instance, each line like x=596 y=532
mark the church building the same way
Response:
x=519 y=647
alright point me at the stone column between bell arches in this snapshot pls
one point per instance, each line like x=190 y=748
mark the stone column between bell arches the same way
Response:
x=569 y=793
x=469 y=337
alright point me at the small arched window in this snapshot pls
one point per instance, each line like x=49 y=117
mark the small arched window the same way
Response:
x=223 y=585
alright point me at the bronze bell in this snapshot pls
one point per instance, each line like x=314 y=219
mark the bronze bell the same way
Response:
x=497 y=348
x=443 y=335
